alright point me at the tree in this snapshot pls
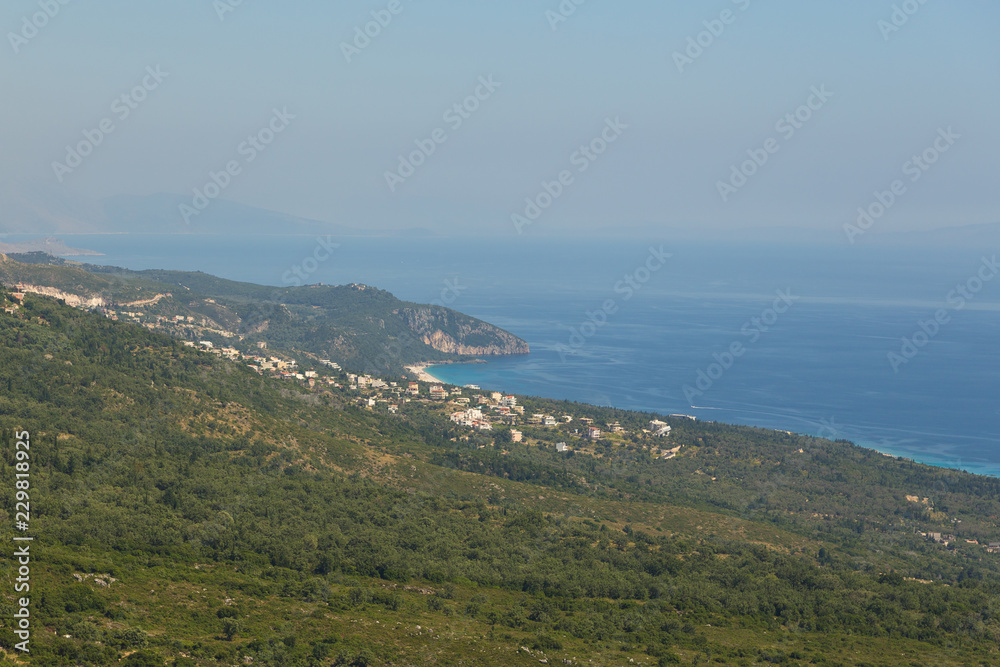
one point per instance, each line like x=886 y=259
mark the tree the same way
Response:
x=231 y=627
x=144 y=658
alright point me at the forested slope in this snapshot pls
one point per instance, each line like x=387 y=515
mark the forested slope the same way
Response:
x=245 y=520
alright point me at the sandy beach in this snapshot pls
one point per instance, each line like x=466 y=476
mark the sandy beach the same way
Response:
x=420 y=370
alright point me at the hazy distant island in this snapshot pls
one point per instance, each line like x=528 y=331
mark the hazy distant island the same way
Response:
x=49 y=245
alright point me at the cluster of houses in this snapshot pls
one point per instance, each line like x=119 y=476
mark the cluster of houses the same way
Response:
x=945 y=539
x=489 y=410
x=278 y=368
x=169 y=323
x=486 y=410
x=18 y=297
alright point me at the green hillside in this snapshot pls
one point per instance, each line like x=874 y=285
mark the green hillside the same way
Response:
x=188 y=511
x=359 y=327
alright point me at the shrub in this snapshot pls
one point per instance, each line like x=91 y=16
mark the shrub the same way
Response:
x=144 y=658
x=545 y=641
x=231 y=627
x=355 y=658
x=128 y=638
x=227 y=612
x=358 y=597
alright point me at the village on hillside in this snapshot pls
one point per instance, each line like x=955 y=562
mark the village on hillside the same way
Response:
x=496 y=416
x=489 y=413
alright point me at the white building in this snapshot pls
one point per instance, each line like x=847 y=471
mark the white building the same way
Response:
x=471 y=418
x=658 y=428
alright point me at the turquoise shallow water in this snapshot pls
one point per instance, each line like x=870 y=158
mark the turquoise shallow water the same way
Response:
x=822 y=370
x=820 y=366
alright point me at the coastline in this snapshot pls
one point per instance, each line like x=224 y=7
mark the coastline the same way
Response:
x=981 y=468
x=50 y=245
x=420 y=370
x=984 y=469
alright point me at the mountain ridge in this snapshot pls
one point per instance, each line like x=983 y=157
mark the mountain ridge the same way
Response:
x=39 y=207
x=361 y=327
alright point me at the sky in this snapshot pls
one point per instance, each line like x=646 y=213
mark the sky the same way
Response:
x=581 y=118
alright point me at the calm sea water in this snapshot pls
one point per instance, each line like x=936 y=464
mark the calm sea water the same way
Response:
x=819 y=367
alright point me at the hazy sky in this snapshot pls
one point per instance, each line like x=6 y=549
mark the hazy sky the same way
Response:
x=681 y=115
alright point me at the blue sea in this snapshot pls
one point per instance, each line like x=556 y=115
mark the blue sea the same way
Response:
x=789 y=337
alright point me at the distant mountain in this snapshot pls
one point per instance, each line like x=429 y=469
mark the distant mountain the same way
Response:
x=160 y=213
x=37 y=207
x=360 y=327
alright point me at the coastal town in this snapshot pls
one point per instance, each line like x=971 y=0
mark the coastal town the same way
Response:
x=481 y=417
x=489 y=413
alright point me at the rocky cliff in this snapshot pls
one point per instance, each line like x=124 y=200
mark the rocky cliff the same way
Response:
x=442 y=330
x=75 y=300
